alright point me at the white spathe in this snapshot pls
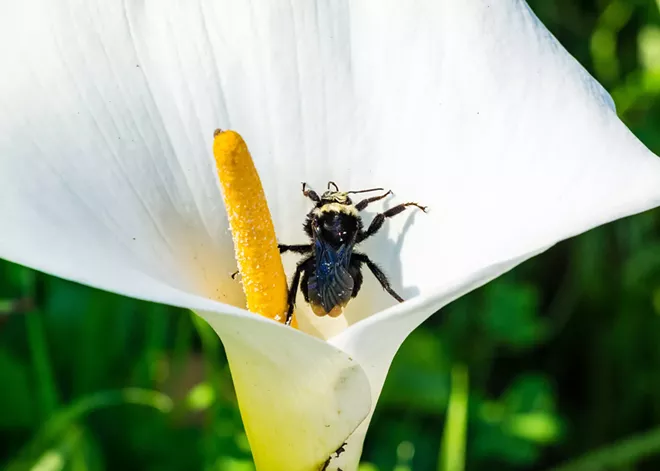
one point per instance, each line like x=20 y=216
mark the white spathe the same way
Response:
x=107 y=111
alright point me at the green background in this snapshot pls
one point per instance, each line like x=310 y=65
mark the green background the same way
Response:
x=556 y=362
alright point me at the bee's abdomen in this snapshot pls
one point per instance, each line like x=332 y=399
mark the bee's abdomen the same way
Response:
x=330 y=284
x=329 y=298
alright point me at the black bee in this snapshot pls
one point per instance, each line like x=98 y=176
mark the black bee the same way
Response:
x=330 y=275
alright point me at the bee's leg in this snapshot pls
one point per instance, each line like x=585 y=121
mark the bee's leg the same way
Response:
x=293 y=289
x=311 y=194
x=378 y=273
x=378 y=221
x=304 y=283
x=365 y=202
x=301 y=248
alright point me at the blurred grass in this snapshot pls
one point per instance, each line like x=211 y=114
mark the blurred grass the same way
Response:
x=563 y=353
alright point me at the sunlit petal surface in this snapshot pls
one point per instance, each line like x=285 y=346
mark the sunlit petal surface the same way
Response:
x=467 y=106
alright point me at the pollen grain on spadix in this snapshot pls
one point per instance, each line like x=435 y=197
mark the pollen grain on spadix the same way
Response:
x=255 y=245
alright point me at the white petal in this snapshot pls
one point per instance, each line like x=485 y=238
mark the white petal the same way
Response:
x=476 y=112
x=467 y=106
x=94 y=187
x=516 y=146
x=494 y=126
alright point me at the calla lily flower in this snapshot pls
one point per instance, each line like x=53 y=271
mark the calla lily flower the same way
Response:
x=107 y=177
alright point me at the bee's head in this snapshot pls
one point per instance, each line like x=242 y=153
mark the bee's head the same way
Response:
x=333 y=195
x=340 y=197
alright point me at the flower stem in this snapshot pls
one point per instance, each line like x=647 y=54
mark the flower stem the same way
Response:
x=617 y=455
x=452 y=450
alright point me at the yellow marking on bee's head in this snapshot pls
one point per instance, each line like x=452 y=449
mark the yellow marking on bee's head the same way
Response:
x=336 y=208
x=335 y=196
x=255 y=245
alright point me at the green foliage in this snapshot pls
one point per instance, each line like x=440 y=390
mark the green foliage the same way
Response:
x=562 y=354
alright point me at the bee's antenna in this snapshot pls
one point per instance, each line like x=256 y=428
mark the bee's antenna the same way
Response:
x=365 y=191
x=333 y=184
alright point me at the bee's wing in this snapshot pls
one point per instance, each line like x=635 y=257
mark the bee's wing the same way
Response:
x=331 y=284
